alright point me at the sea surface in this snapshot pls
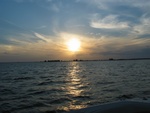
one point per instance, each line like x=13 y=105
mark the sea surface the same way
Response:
x=46 y=87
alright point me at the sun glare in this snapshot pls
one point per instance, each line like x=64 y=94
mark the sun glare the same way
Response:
x=73 y=45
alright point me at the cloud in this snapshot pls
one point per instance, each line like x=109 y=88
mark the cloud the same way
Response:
x=108 y=22
x=129 y=10
x=13 y=34
x=40 y=36
x=143 y=27
x=121 y=48
x=144 y=36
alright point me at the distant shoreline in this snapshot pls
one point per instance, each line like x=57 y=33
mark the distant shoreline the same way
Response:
x=110 y=59
x=79 y=60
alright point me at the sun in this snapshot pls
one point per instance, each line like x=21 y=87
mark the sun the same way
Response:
x=73 y=45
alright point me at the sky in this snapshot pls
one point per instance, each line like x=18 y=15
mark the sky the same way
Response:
x=37 y=30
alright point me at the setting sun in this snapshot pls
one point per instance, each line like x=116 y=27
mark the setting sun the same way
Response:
x=73 y=44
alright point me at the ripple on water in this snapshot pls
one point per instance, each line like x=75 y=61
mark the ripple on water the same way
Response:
x=82 y=97
x=23 y=78
x=34 y=93
x=6 y=91
x=60 y=100
x=46 y=83
x=126 y=96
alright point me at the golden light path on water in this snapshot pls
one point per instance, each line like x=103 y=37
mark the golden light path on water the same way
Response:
x=74 y=87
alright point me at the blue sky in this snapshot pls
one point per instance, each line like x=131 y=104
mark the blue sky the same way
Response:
x=34 y=30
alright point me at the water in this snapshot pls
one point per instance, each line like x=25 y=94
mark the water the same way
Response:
x=44 y=87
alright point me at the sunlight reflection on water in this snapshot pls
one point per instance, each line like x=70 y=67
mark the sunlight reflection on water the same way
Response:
x=73 y=88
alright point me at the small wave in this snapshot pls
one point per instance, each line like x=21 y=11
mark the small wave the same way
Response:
x=5 y=107
x=60 y=100
x=1 y=99
x=43 y=77
x=146 y=92
x=57 y=90
x=5 y=111
x=35 y=72
x=4 y=73
x=110 y=90
x=53 y=111
x=83 y=97
x=23 y=78
x=61 y=82
x=43 y=92
x=127 y=96
x=104 y=83
x=83 y=87
x=23 y=73
x=46 y=83
x=49 y=81
x=37 y=92
x=7 y=91
x=31 y=105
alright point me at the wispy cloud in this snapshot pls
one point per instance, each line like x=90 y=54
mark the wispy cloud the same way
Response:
x=144 y=26
x=40 y=36
x=108 y=22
